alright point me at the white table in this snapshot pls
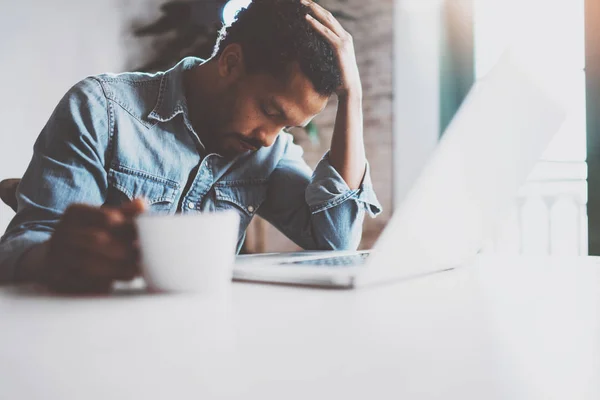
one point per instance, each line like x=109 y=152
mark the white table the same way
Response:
x=501 y=329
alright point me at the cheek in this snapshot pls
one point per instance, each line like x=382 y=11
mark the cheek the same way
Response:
x=228 y=143
x=245 y=117
x=240 y=112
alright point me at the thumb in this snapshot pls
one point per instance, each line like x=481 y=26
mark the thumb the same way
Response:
x=134 y=207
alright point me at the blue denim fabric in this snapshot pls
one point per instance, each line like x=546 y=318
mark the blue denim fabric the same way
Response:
x=113 y=138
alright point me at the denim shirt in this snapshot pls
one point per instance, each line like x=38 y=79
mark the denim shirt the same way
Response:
x=117 y=137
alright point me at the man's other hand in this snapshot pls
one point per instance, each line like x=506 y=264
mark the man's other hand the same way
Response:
x=91 y=248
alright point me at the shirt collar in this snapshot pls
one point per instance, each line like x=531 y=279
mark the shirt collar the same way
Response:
x=171 y=95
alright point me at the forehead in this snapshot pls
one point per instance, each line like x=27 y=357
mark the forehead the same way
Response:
x=294 y=91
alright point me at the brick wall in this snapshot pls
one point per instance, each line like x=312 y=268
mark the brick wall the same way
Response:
x=372 y=31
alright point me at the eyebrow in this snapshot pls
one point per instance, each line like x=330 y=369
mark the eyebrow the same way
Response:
x=280 y=110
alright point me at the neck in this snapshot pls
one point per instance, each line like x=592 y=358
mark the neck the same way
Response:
x=200 y=92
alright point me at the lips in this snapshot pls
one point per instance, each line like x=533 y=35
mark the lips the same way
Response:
x=246 y=146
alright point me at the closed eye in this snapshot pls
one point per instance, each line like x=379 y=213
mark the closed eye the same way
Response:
x=269 y=113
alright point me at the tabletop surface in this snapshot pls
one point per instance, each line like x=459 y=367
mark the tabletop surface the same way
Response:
x=504 y=328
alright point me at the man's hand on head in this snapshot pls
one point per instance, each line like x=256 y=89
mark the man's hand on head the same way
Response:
x=343 y=46
x=91 y=248
x=347 y=152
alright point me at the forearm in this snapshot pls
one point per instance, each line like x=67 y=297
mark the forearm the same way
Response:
x=336 y=227
x=316 y=208
x=347 y=154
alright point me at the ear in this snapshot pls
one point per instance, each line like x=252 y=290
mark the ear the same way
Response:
x=231 y=62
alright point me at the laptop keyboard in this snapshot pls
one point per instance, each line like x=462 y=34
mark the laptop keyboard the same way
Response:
x=341 y=261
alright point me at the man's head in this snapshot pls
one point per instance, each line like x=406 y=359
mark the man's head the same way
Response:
x=274 y=71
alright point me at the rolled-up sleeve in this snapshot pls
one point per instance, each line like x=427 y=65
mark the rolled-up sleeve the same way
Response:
x=316 y=209
x=328 y=189
x=67 y=167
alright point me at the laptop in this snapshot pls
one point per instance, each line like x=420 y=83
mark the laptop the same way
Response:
x=499 y=133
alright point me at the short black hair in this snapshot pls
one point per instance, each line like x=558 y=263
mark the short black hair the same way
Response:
x=275 y=33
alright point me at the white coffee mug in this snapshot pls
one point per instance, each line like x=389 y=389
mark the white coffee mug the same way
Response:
x=188 y=253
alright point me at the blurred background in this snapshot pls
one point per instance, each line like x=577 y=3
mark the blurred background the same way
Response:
x=418 y=59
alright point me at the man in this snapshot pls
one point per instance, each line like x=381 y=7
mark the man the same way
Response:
x=203 y=136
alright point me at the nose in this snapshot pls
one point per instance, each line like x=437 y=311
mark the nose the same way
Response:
x=266 y=136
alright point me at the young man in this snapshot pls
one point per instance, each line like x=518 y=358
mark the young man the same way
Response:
x=203 y=136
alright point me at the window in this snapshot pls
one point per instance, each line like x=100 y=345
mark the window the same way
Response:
x=549 y=216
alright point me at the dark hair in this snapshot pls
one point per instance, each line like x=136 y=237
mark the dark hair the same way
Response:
x=273 y=34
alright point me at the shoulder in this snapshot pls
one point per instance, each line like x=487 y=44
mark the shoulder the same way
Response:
x=136 y=92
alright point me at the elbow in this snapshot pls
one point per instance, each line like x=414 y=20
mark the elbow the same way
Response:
x=339 y=242
x=339 y=235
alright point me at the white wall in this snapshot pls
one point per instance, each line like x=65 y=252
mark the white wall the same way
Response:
x=45 y=48
x=416 y=89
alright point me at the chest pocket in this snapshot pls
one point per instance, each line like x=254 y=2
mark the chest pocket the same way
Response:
x=245 y=197
x=126 y=184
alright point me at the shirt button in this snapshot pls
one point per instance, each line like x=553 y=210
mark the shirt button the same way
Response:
x=191 y=205
x=250 y=209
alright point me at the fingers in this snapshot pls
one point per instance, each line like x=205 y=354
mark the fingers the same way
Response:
x=133 y=208
x=325 y=18
x=92 y=247
x=329 y=35
x=105 y=217
x=94 y=263
x=101 y=243
x=125 y=233
x=63 y=280
x=84 y=215
x=86 y=266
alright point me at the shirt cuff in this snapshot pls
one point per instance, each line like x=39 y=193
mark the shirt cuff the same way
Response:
x=13 y=249
x=328 y=189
